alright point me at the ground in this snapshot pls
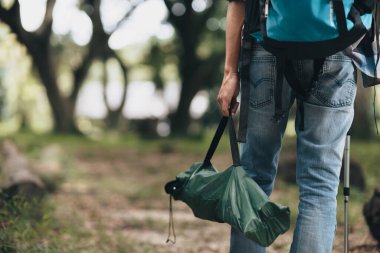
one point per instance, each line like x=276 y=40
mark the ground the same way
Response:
x=110 y=198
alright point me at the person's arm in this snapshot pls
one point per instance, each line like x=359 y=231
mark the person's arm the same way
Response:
x=230 y=86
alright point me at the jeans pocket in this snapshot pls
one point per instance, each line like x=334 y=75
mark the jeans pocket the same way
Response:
x=262 y=79
x=335 y=86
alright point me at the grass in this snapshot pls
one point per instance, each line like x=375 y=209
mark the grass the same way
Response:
x=34 y=142
x=27 y=227
x=99 y=179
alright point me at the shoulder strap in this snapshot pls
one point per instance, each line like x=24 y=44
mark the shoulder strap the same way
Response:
x=252 y=15
x=251 y=9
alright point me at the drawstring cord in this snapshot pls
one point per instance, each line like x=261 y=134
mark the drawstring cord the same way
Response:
x=171 y=222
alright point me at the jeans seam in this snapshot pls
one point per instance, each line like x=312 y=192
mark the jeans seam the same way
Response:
x=328 y=107
x=256 y=58
x=261 y=104
x=326 y=102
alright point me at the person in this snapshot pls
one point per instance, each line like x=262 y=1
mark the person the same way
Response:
x=321 y=129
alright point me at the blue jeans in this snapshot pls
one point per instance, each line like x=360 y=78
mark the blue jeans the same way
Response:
x=328 y=114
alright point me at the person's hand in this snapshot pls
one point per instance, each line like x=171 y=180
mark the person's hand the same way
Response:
x=228 y=92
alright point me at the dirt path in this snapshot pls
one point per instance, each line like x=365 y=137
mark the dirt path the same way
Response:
x=118 y=199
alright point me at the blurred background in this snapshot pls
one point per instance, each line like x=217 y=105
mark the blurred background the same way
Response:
x=91 y=66
x=103 y=102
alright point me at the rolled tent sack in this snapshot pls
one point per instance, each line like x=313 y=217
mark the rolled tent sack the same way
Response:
x=230 y=196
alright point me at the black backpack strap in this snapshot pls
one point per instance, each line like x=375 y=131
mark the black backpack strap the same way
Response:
x=244 y=64
x=302 y=91
x=294 y=82
x=338 y=7
x=280 y=71
x=245 y=60
x=365 y=6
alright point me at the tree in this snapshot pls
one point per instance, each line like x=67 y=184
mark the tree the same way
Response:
x=40 y=49
x=103 y=52
x=38 y=46
x=197 y=71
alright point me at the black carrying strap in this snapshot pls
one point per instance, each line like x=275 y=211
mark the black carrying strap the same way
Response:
x=218 y=135
x=233 y=143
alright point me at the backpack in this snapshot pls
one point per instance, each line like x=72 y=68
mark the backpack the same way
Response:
x=306 y=29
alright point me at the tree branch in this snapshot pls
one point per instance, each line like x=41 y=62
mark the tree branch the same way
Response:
x=125 y=77
x=46 y=27
x=124 y=69
x=204 y=17
x=3 y=11
x=80 y=74
x=172 y=18
x=105 y=82
x=205 y=68
x=12 y=18
x=126 y=16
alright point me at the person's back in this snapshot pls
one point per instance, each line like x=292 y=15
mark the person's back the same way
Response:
x=324 y=91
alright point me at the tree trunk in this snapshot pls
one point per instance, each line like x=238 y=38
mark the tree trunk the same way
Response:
x=113 y=119
x=114 y=115
x=180 y=119
x=189 y=27
x=38 y=46
x=197 y=74
x=63 y=120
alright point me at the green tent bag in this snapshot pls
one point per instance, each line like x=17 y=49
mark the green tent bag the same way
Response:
x=230 y=196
